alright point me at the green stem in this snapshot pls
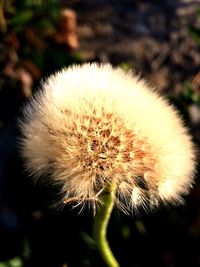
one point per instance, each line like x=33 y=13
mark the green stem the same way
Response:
x=100 y=227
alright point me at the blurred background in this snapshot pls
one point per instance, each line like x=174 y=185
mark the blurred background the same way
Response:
x=159 y=39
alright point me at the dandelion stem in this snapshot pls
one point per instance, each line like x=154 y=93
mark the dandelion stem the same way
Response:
x=100 y=227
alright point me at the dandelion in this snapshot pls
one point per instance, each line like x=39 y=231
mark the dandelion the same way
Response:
x=96 y=130
x=93 y=125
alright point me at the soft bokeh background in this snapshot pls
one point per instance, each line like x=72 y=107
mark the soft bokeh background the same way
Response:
x=159 y=39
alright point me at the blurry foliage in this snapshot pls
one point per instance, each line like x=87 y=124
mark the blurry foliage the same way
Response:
x=36 y=40
x=19 y=261
x=192 y=88
x=37 y=13
x=31 y=30
x=15 y=262
x=125 y=66
x=195 y=32
x=190 y=94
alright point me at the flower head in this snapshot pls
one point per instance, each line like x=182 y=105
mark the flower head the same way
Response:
x=92 y=126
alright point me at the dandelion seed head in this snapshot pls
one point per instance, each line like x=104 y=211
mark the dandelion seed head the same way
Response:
x=91 y=126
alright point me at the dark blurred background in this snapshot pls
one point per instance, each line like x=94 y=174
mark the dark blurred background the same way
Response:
x=158 y=39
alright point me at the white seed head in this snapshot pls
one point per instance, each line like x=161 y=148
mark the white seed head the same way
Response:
x=91 y=126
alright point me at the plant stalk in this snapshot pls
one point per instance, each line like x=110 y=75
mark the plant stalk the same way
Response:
x=101 y=221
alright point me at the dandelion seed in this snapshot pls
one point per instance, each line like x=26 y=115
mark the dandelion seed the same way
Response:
x=93 y=125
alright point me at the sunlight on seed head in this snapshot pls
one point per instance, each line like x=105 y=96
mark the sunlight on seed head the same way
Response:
x=94 y=125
